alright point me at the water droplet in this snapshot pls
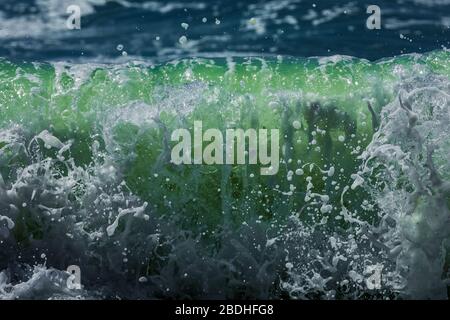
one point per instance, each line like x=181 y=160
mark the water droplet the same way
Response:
x=296 y=124
x=183 y=40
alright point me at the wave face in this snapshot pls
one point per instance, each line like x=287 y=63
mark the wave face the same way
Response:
x=358 y=209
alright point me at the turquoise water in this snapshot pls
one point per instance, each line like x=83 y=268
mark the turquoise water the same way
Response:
x=87 y=179
x=357 y=208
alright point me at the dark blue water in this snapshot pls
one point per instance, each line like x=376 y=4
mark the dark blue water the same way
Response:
x=36 y=29
x=85 y=178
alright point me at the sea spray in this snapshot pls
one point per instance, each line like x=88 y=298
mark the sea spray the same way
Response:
x=87 y=179
x=408 y=159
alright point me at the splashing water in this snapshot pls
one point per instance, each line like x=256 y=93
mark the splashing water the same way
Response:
x=408 y=158
x=359 y=208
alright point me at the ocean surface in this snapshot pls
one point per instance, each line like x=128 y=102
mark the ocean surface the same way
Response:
x=92 y=205
x=36 y=30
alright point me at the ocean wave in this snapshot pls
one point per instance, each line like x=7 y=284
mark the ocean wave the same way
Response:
x=363 y=185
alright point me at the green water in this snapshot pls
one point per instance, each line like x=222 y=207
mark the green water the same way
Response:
x=85 y=151
x=74 y=102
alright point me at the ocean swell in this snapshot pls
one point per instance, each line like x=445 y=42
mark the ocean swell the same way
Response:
x=359 y=208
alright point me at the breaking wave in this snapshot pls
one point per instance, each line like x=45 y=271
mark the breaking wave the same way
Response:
x=359 y=208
